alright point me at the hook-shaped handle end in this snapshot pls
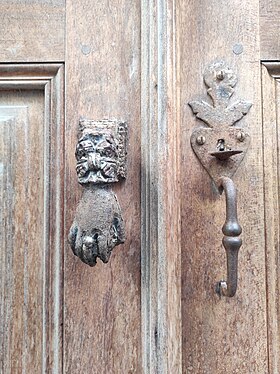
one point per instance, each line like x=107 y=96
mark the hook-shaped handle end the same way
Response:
x=231 y=241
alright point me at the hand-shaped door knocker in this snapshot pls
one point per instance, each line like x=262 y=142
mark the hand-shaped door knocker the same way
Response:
x=101 y=160
x=220 y=147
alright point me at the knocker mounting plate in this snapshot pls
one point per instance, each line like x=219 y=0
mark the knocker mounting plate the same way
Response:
x=220 y=147
x=101 y=151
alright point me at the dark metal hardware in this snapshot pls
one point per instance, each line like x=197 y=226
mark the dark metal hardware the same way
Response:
x=101 y=160
x=224 y=151
x=231 y=241
x=220 y=148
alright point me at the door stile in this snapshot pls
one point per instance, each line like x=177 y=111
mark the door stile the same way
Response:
x=270 y=118
x=160 y=186
x=219 y=335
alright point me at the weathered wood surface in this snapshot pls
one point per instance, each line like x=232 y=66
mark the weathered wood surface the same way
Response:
x=102 y=304
x=32 y=30
x=160 y=194
x=222 y=335
x=269 y=29
x=115 y=319
x=31 y=216
x=271 y=146
x=21 y=229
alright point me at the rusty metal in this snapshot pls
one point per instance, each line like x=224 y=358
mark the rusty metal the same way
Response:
x=231 y=241
x=200 y=140
x=241 y=136
x=225 y=145
x=101 y=160
x=220 y=147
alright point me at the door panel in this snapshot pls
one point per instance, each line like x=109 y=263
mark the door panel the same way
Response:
x=32 y=30
x=271 y=146
x=22 y=225
x=31 y=216
x=269 y=26
x=102 y=304
x=153 y=307
x=222 y=335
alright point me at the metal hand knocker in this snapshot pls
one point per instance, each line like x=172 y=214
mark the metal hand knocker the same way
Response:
x=101 y=160
x=220 y=147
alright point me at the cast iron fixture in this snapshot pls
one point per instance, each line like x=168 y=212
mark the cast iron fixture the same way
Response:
x=220 y=147
x=101 y=160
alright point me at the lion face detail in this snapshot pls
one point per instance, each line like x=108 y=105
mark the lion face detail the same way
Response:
x=97 y=158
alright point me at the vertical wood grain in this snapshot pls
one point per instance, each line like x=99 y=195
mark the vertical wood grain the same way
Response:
x=139 y=61
x=22 y=203
x=160 y=191
x=32 y=164
x=271 y=115
x=102 y=304
x=222 y=335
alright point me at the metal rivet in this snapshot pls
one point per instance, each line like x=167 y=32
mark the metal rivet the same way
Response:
x=200 y=140
x=85 y=49
x=237 y=48
x=220 y=75
x=241 y=136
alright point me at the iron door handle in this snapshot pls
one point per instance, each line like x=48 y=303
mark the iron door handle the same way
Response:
x=221 y=147
x=231 y=241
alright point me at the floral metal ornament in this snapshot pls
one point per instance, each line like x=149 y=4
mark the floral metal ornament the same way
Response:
x=221 y=146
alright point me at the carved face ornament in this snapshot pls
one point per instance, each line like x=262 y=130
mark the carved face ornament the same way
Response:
x=97 y=158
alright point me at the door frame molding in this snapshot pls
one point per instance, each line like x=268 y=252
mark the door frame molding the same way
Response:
x=160 y=186
x=48 y=77
x=270 y=71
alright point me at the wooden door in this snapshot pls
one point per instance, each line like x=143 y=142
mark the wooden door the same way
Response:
x=153 y=307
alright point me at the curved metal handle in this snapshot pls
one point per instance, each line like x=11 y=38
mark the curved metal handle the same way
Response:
x=220 y=148
x=231 y=241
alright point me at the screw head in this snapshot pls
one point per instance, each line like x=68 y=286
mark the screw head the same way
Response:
x=241 y=136
x=220 y=75
x=200 y=140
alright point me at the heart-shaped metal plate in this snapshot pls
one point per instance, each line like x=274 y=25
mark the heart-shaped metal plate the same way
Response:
x=205 y=144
